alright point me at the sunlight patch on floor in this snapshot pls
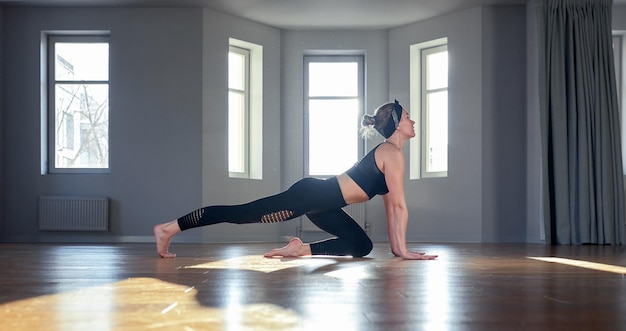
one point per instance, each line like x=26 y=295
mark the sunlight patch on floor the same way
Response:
x=353 y=273
x=140 y=304
x=583 y=264
x=253 y=263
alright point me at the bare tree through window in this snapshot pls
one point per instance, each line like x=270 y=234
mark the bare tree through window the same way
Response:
x=81 y=103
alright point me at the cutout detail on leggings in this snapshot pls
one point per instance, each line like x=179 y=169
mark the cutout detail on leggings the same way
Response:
x=192 y=219
x=278 y=216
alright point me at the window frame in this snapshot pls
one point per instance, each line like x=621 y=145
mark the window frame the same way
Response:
x=245 y=92
x=332 y=58
x=419 y=153
x=253 y=149
x=49 y=139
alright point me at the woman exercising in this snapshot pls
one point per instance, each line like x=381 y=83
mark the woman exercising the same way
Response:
x=381 y=171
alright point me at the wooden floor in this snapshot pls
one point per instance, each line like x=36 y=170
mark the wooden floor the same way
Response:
x=232 y=287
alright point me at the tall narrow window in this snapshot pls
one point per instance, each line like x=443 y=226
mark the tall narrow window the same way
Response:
x=435 y=110
x=78 y=101
x=245 y=109
x=333 y=105
x=429 y=87
x=238 y=86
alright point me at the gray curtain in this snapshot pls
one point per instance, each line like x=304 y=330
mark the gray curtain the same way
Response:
x=583 y=193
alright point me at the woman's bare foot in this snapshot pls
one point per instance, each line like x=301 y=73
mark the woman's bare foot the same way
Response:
x=295 y=248
x=163 y=233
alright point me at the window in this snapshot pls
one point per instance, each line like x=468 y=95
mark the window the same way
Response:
x=333 y=109
x=78 y=104
x=429 y=88
x=238 y=64
x=245 y=133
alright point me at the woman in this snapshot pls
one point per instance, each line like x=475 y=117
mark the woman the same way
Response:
x=381 y=171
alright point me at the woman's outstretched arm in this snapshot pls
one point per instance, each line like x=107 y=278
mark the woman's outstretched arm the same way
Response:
x=395 y=205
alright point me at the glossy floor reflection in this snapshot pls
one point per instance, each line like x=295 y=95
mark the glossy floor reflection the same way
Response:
x=232 y=287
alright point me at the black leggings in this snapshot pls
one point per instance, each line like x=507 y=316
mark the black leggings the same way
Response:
x=320 y=200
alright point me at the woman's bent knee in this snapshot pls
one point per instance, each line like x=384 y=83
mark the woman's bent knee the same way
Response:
x=363 y=248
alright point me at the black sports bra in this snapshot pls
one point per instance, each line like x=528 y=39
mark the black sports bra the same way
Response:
x=366 y=174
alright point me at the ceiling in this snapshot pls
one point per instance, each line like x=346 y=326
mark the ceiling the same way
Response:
x=303 y=14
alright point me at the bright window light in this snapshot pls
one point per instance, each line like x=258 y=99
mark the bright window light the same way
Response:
x=429 y=108
x=245 y=110
x=583 y=264
x=333 y=79
x=334 y=104
x=336 y=152
x=80 y=97
x=435 y=113
x=238 y=82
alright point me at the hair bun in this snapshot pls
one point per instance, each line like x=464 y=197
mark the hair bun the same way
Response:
x=368 y=120
x=367 y=126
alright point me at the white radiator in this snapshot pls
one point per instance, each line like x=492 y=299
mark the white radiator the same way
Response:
x=357 y=211
x=73 y=214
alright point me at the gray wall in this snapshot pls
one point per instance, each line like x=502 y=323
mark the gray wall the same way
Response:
x=534 y=213
x=168 y=141
x=483 y=197
x=217 y=187
x=504 y=129
x=1 y=128
x=168 y=121
x=295 y=44
x=155 y=121
x=486 y=179
x=450 y=208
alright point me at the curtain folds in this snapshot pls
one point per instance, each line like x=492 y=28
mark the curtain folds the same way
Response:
x=583 y=189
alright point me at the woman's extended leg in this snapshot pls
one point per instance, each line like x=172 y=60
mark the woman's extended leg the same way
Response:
x=305 y=196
